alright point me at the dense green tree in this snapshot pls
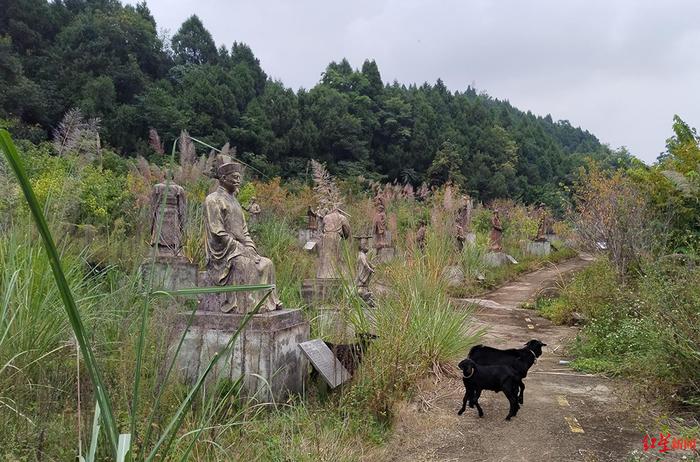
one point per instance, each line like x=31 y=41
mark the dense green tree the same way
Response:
x=447 y=166
x=106 y=59
x=193 y=44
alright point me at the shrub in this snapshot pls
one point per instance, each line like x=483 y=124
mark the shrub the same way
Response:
x=419 y=331
x=646 y=329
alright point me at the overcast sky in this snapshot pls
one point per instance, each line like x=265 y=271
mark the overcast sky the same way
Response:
x=620 y=69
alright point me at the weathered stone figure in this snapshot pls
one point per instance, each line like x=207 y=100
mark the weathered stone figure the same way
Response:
x=549 y=225
x=170 y=216
x=312 y=217
x=542 y=225
x=364 y=271
x=232 y=258
x=334 y=227
x=423 y=192
x=420 y=235
x=379 y=224
x=254 y=209
x=496 y=232
x=463 y=221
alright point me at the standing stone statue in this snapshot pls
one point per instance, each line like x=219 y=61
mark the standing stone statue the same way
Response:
x=379 y=224
x=169 y=216
x=542 y=225
x=232 y=258
x=334 y=227
x=549 y=225
x=253 y=209
x=463 y=221
x=364 y=271
x=496 y=232
x=312 y=220
x=423 y=192
x=420 y=234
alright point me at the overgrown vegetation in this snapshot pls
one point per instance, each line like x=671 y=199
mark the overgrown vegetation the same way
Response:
x=646 y=328
x=640 y=302
x=40 y=410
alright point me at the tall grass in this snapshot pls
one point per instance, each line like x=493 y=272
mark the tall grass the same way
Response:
x=420 y=331
x=120 y=445
x=278 y=241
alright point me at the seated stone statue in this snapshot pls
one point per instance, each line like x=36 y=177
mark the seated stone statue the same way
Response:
x=232 y=258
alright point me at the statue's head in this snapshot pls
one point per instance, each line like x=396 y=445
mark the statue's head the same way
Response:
x=230 y=176
x=364 y=244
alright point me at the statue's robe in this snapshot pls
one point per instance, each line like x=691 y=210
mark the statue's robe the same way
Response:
x=379 y=230
x=232 y=258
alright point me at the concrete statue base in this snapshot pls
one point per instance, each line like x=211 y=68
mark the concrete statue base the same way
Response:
x=538 y=248
x=320 y=290
x=453 y=275
x=385 y=254
x=266 y=352
x=495 y=259
x=470 y=239
x=306 y=235
x=169 y=273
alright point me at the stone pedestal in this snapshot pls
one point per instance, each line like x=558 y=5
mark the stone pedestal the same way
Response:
x=470 y=239
x=453 y=275
x=267 y=347
x=320 y=290
x=306 y=235
x=386 y=254
x=169 y=273
x=538 y=248
x=495 y=259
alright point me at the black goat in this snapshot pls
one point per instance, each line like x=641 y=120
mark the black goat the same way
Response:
x=495 y=378
x=350 y=355
x=519 y=359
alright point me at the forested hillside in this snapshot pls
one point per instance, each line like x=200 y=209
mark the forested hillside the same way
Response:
x=109 y=61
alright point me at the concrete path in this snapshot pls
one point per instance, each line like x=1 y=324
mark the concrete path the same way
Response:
x=567 y=415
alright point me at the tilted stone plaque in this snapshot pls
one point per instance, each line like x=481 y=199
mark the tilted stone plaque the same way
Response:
x=325 y=362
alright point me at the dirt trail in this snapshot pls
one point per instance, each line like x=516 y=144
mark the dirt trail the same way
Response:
x=559 y=402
